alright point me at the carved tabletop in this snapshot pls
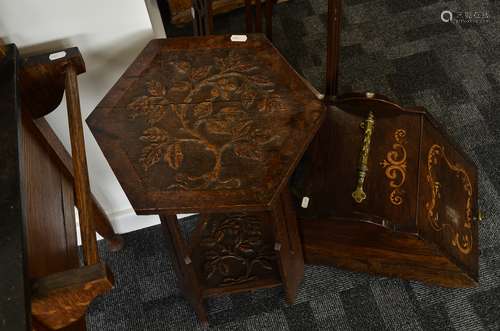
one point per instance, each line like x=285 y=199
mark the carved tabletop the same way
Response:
x=206 y=124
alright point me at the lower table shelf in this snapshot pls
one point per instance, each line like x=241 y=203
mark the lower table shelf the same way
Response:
x=232 y=252
x=237 y=252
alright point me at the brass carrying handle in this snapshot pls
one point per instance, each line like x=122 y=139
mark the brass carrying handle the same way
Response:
x=368 y=125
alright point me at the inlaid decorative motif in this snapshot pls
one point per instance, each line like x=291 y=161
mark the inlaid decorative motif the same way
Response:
x=461 y=238
x=395 y=167
x=230 y=107
x=234 y=250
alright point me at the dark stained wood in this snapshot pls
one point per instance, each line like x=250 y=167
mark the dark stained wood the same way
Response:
x=216 y=127
x=76 y=326
x=333 y=48
x=104 y=227
x=255 y=15
x=203 y=19
x=206 y=125
x=447 y=212
x=180 y=10
x=47 y=194
x=14 y=287
x=288 y=246
x=51 y=230
x=237 y=252
x=419 y=218
x=185 y=272
x=82 y=185
x=61 y=299
x=46 y=136
x=42 y=85
x=371 y=248
x=229 y=250
x=42 y=82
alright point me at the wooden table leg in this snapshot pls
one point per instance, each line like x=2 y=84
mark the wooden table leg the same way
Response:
x=288 y=245
x=104 y=228
x=184 y=269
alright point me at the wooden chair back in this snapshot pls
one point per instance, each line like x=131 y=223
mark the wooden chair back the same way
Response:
x=57 y=288
x=257 y=15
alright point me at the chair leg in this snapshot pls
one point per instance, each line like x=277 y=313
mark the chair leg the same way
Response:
x=258 y=16
x=269 y=19
x=202 y=17
x=249 y=16
x=333 y=48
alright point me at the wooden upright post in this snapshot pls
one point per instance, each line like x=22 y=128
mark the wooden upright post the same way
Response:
x=82 y=186
x=333 y=48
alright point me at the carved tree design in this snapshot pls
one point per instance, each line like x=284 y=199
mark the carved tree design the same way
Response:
x=229 y=79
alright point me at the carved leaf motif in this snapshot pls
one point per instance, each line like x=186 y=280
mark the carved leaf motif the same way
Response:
x=180 y=87
x=248 y=151
x=215 y=93
x=260 y=80
x=262 y=137
x=211 y=255
x=156 y=89
x=200 y=73
x=245 y=67
x=220 y=236
x=248 y=98
x=223 y=269
x=155 y=113
x=271 y=104
x=235 y=258
x=230 y=113
x=225 y=95
x=242 y=129
x=183 y=66
x=203 y=110
x=246 y=248
x=217 y=127
x=227 y=121
x=174 y=156
x=150 y=156
x=227 y=84
x=138 y=106
x=154 y=135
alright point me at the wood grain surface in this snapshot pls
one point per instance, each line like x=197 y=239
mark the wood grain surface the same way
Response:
x=205 y=124
x=421 y=193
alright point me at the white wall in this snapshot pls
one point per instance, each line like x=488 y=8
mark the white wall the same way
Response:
x=110 y=34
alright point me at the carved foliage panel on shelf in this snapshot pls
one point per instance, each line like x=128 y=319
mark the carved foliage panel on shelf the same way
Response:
x=234 y=249
x=196 y=115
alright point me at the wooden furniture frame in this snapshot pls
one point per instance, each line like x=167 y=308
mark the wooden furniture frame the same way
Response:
x=216 y=127
x=47 y=178
x=256 y=14
x=382 y=216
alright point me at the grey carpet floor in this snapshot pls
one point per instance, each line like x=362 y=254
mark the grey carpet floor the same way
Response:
x=396 y=47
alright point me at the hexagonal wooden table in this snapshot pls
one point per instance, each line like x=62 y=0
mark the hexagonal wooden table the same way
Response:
x=216 y=127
